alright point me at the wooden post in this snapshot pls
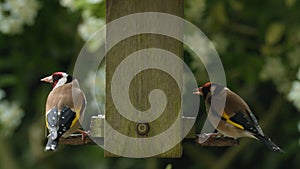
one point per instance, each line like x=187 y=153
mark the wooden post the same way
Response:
x=147 y=80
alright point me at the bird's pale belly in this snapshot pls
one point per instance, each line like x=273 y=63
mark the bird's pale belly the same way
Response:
x=229 y=130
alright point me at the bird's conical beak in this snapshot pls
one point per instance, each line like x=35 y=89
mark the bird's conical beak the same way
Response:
x=48 y=79
x=198 y=91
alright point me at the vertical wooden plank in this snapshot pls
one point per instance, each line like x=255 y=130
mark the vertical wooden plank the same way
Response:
x=146 y=80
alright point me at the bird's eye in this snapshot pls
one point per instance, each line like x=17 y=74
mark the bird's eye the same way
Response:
x=56 y=77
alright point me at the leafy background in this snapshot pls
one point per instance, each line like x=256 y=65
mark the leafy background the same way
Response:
x=258 y=43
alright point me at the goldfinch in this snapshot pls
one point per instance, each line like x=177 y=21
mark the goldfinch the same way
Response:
x=237 y=120
x=65 y=105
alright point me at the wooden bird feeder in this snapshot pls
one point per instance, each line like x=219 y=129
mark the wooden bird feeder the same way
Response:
x=145 y=81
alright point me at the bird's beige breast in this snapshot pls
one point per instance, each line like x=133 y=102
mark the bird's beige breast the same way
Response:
x=231 y=131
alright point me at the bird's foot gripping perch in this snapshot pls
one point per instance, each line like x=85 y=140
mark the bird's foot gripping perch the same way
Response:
x=84 y=134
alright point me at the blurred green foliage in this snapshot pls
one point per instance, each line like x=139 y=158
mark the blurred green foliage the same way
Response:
x=258 y=43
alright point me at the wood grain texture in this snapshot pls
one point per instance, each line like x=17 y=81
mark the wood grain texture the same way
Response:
x=221 y=141
x=76 y=139
x=147 y=80
x=97 y=127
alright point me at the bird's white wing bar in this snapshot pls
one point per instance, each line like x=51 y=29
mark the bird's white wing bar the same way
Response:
x=65 y=121
x=52 y=120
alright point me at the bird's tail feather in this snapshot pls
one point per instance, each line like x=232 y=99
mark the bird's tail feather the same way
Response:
x=269 y=143
x=51 y=144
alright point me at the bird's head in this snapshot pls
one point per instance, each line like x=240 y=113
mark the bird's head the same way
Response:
x=58 y=79
x=209 y=88
x=203 y=90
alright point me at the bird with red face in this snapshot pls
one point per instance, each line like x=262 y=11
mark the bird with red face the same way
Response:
x=64 y=106
x=237 y=120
